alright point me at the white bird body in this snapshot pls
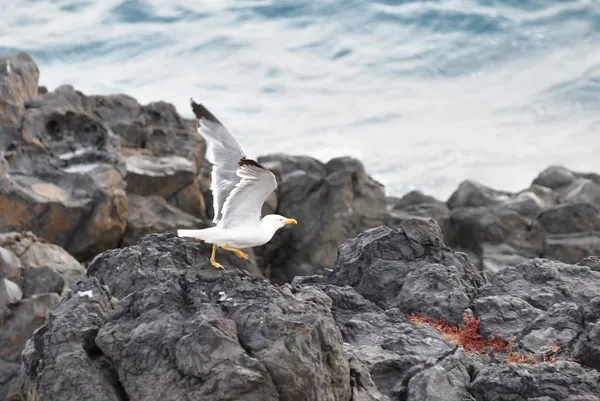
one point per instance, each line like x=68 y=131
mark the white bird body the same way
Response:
x=236 y=237
x=239 y=186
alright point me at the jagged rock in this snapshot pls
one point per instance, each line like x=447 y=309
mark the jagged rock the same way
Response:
x=572 y=231
x=495 y=237
x=62 y=361
x=473 y=194
x=152 y=214
x=543 y=283
x=183 y=329
x=363 y=387
x=447 y=380
x=561 y=325
x=416 y=204
x=559 y=381
x=62 y=177
x=503 y=316
x=163 y=152
x=392 y=348
x=330 y=207
x=409 y=268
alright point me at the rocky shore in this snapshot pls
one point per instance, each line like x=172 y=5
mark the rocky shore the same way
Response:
x=489 y=295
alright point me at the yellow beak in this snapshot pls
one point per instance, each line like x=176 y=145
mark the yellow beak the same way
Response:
x=291 y=221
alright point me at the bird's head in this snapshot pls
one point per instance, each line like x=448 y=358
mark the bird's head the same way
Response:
x=276 y=221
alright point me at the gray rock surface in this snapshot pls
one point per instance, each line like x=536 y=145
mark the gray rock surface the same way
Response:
x=184 y=330
x=38 y=272
x=61 y=175
x=560 y=381
x=156 y=321
x=409 y=268
x=331 y=202
x=413 y=205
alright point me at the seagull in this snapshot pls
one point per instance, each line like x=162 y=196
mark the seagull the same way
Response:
x=239 y=186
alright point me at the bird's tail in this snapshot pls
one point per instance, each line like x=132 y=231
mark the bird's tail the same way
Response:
x=207 y=234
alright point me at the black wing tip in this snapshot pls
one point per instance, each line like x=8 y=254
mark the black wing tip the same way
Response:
x=202 y=112
x=244 y=161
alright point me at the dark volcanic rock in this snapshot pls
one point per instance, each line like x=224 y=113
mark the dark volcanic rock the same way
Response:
x=152 y=214
x=39 y=272
x=473 y=194
x=62 y=360
x=503 y=316
x=494 y=237
x=560 y=381
x=180 y=329
x=409 y=268
x=390 y=346
x=163 y=152
x=416 y=204
x=543 y=283
x=572 y=231
x=185 y=330
x=331 y=202
x=62 y=178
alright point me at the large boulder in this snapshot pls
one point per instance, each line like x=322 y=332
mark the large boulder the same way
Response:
x=181 y=328
x=408 y=268
x=61 y=175
x=494 y=237
x=413 y=205
x=331 y=202
x=572 y=231
x=571 y=186
x=163 y=152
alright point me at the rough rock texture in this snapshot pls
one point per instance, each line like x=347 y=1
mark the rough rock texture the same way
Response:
x=156 y=321
x=40 y=272
x=69 y=162
x=184 y=330
x=409 y=268
x=561 y=381
x=61 y=176
x=163 y=153
x=331 y=202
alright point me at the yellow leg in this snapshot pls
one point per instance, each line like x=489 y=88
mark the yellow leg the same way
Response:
x=239 y=253
x=212 y=258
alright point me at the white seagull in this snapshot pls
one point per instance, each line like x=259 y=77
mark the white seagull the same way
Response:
x=239 y=187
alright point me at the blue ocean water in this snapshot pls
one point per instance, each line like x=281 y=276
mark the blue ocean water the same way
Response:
x=425 y=93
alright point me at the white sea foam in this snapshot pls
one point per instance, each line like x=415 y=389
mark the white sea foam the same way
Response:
x=427 y=94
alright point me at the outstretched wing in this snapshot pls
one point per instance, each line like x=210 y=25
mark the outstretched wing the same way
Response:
x=244 y=203
x=223 y=152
